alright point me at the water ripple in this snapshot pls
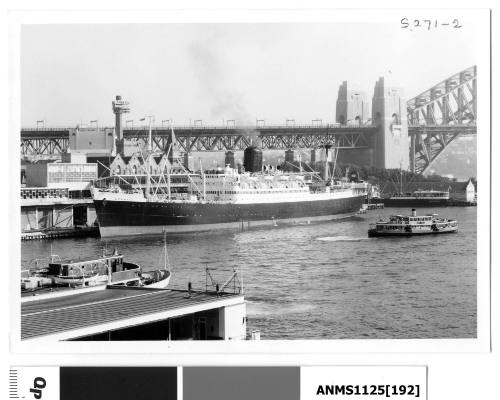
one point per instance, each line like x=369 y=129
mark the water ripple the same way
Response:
x=323 y=280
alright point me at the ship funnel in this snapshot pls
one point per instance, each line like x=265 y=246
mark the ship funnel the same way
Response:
x=413 y=212
x=252 y=159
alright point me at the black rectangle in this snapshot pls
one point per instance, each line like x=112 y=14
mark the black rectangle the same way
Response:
x=118 y=383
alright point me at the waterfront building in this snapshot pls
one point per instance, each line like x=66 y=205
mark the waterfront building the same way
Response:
x=57 y=195
x=61 y=175
x=123 y=313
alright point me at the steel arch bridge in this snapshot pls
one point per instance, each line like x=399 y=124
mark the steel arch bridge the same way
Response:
x=435 y=118
x=439 y=115
x=49 y=142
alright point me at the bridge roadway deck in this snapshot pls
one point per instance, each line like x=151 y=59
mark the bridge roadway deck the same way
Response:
x=55 y=140
x=453 y=129
x=63 y=132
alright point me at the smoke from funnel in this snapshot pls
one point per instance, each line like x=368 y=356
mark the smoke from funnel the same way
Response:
x=211 y=73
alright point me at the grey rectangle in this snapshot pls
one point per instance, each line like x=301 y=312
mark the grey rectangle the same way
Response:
x=241 y=383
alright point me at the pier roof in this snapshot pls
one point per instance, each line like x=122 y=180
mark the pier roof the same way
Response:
x=86 y=314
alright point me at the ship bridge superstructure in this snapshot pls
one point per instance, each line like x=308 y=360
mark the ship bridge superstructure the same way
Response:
x=273 y=187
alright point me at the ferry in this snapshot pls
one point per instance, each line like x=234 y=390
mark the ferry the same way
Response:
x=105 y=270
x=413 y=225
x=418 y=198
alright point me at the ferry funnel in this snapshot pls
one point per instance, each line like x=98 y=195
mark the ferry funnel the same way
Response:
x=413 y=212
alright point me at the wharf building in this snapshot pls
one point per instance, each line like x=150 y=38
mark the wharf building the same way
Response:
x=56 y=197
x=55 y=194
x=116 y=313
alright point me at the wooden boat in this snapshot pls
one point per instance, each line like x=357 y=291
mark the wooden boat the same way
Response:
x=401 y=225
x=105 y=270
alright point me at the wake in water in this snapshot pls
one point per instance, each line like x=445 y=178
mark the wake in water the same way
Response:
x=342 y=239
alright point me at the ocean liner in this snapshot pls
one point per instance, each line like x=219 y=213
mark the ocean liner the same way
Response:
x=224 y=199
x=220 y=199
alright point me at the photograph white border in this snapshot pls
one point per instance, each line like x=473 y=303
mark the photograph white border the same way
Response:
x=299 y=349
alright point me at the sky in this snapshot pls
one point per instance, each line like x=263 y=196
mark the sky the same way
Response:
x=218 y=72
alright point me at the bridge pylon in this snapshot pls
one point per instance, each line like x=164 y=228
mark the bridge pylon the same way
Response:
x=389 y=115
x=352 y=107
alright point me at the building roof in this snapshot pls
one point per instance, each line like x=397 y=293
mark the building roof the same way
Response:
x=158 y=159
x=114 y=308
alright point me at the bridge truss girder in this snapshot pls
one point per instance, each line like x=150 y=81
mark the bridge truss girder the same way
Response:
x=34 y=147
x=428 y=142
x=439 y=115
x=450 y=102
x=237 y=141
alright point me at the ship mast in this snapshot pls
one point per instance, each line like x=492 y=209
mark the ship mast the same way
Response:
x=325 y=170
x=400 y=178
x=336 y=150
x=204 y=182
x=165 y=255
x=168 y=183
x=166 y=168
x=148 y=156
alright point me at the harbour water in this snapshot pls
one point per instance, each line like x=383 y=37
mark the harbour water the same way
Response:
x=322 y=280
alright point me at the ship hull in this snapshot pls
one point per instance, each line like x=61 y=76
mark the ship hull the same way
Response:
x=375 y=233
x=124 y=218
